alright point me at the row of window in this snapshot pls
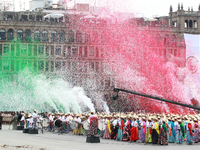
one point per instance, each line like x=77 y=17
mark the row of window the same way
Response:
x=44 y=36
x=51 y=50
x=40 y=65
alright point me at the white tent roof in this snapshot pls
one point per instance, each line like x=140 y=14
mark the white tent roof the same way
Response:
x=54 y=15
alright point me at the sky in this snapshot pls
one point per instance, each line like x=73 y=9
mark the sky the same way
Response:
x=141 y=8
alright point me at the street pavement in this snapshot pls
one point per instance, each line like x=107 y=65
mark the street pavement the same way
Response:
x=15 y=139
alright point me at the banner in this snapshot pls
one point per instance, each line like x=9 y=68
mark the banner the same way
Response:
x=192 y=52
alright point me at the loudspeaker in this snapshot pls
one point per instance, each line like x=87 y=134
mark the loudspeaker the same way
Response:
x=25 y=130
x=93 y=139
x=20 y=128
x=33 y=131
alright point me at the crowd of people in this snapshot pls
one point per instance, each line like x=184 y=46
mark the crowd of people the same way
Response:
x=147 y=128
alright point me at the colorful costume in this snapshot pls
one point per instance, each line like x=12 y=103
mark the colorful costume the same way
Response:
x=107 y=129
x=163 y=138
x=189 y=135
x=142 y=131
x=172 y=134
x=155 y=133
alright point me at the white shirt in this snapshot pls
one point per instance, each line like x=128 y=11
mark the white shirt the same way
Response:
x=114 y=122
x=63 y=119
x=30 y=120
x=148 y=124
x=154 y=125
x=35 y=115
x=22 y=119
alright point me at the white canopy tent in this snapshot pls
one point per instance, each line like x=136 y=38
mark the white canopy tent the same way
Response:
x=54 y=16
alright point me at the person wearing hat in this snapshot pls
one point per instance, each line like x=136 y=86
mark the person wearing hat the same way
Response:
x=93 y=121
x=35 y=116
x=22 y=119
x=114 y=128
x=148 y=138
x=180 y=133
x=155 y=131
x=189 y=134
x=134 y=130
x=126 y=135
x=143 y=129
x=107 y=128
x=196 y=130
x=29 y=121
x=163 y=137
x=14 y=121
x=120 y=129
x=172 y=133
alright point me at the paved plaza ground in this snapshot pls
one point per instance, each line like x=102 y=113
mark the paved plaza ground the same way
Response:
x=13 y=139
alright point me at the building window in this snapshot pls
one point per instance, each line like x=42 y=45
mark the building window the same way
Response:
x=87 y=37
x=35 y=50
x=58 y=50
x=19 y=35
x=186 y=23
x=52 y=66
x=195 y=24
x=27 y=35
x=10 y=34
x=47 y=50
x=41 y=65
x=190 y=24
x=69 y=51
x=78 y=37
x=18 y=49
x=6 y=65
x=12 y=50
x=45 y=36
x=24 y=49
x=74 y=51
x=54 y=36
x=91 y=51
x=52 y=50
x=2 y=34
x=91 y=66
x=71 y=36
x=64 y=50
x=41 y=50
x=29 y=50
x=58 y=65
x=39 y=18
x=61 y=36
x=37 y=35
x=6 y=48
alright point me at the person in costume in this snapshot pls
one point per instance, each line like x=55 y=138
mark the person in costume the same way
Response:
x=172 y=134
x=143 y=130
x=93 y=121
x=134 y=130
x=114 y=128
x=22 y=120
x=155 y=131
x=163 y=136
x=189 y=134
x=120 y=129
x=180 y=133
x=148 y=138
x=107 y=128
x=196 y=131
x=35 y=116
x=126 y=134
x=14 y=121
